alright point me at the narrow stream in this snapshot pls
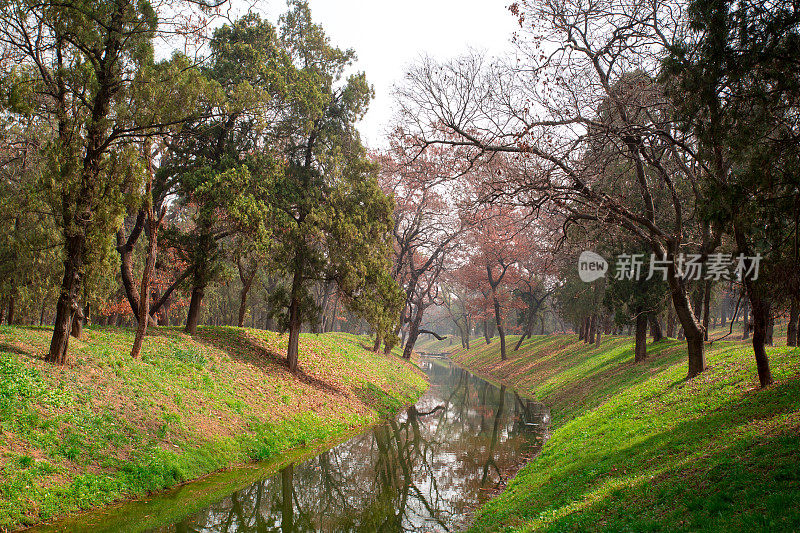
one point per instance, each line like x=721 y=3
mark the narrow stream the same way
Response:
x=425 y=470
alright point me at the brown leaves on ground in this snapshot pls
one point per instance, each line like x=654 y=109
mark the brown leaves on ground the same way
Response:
x=223 y=383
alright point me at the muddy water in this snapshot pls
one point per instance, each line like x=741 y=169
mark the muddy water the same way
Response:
x=425 y=470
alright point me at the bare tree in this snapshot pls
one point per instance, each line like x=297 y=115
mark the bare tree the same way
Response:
x=584 y=86
x=427 y=225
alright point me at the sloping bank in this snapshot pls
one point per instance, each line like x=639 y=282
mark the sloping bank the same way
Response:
x=637 y=447
x=106 y=427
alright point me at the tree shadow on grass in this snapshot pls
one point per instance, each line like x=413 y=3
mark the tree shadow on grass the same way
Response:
x=617 y=373
x=10 y=348
x=555 y=355
x=367 y=348
x=372 y=395
x=250 y=350
x=746 y=479
x=544 y=357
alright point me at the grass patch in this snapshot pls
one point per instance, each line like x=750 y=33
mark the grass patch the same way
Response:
x=106 y=427
x=637 y=447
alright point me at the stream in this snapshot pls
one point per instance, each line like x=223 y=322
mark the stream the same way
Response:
x=425 y=470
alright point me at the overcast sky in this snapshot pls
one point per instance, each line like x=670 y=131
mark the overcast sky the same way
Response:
x=390 y=35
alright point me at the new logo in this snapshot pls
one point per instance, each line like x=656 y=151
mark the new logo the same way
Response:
x=591 y=266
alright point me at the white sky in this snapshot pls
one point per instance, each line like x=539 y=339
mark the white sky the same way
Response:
x=388 y=36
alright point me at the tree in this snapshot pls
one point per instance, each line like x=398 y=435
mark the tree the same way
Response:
x=634 y=301
x=327 y=201
x=232 y=145
x=577 y=301
x=248 y=269
x=153 y=220
x=427 y=226
x=495 y=250
x=733 y=77
x=455 y=299
x=537 y=274
x=426 y=293
x=28 y=237
x=86 y=73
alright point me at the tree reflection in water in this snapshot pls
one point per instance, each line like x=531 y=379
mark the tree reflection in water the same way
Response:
x=423 y=471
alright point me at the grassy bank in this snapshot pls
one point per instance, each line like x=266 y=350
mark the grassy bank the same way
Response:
x=106 y=427
x=637 y=447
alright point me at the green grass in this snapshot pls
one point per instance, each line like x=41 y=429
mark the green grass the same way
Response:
x=106 y=427
x=638 y=447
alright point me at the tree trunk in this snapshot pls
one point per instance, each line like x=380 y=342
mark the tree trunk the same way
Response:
x=519 y=341
x=67 y=304
x=640 y=348
x=319 y=326
x=592 y=328
x=295 y=321
x=334 y=310
x=794 y=322
x=77 y=324
x=243 y=302
x=413 y=333
x=670 y=322
x=746 y=320
x=144 y=289
x=770 y=331
x=486 y=331
x=399 y=331
x=461 y=336
x=528 y=328
x=599 y=334
x=193 y=314
x=760 y=308
x=499 y=321
x=706 y=307
x=247 y=281
x=655 y=327
x=760 y=312
x=125 y=250
x=242 y=306
x=692 y=330
x=11 y=303
x=723 y=310
x=377 y=345
x=163 y=317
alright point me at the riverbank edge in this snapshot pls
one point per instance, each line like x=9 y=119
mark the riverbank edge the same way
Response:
x=153 y=469
x=584 y=506
x=209 y=488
